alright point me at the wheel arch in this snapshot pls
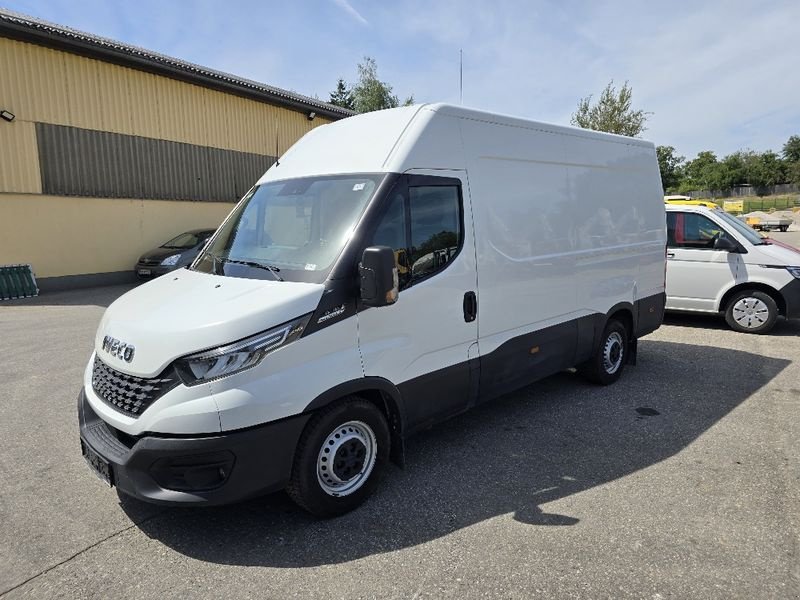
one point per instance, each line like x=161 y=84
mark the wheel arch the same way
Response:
x=380 y=392
x=753 y=285
x=625 y=313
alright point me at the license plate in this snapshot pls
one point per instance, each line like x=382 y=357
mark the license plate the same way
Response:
x=144 y=271
x=97 y=464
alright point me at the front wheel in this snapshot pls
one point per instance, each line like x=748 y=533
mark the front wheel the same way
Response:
x=751 y=311
x=606 y=366
x=339 y=458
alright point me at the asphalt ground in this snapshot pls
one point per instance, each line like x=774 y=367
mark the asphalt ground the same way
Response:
x=680 y=481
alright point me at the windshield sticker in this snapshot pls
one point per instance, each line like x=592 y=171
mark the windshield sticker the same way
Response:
x=358 y=187
x=311 y=267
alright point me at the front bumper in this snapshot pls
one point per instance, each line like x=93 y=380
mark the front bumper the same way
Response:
x=150 y=271
x=204 y=470
x=791 y=294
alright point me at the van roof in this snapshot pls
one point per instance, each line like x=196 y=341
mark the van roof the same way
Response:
x=502 y=119
x=398 y=139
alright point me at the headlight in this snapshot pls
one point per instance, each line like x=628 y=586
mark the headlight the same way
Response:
x=170 y=260
x=795 y=271
x=238 y=356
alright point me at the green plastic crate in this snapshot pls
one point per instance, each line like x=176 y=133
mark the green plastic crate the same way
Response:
x=17 y=281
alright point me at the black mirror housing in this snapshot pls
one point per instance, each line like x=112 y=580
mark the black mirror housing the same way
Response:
x=723 y=243
x=378 y=274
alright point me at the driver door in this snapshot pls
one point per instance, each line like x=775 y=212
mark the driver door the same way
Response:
x=423 y=342
x=696 y=272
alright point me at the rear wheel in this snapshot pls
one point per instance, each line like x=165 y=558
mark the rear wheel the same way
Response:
x=339 y=458
x=606 y=366
x=751 y=311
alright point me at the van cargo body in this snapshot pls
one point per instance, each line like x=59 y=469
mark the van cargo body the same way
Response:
x=393 y=269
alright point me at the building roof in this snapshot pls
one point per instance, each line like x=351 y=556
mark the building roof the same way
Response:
x=30 y=29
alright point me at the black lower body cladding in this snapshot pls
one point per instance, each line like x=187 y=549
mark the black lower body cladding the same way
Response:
x=194 y=470
x=791 y=295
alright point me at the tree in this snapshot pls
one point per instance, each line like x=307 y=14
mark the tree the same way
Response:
x=370 y=93
x=791 y=154
x=613 y=112
x=669 y=164
x=764 y=170
x=793 y=172
x=706 y=173
x=791 y=149
x=737 y=168
x=342 y=96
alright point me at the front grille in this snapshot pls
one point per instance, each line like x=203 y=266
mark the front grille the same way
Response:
x=150 y=261
x=127 y=393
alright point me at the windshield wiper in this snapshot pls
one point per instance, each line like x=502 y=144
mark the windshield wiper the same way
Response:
x=251 y=263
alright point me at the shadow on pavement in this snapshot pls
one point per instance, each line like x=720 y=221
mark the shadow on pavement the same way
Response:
x=553 y=439
x=709 y=321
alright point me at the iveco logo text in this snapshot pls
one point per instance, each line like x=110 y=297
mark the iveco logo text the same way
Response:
x=119 y=349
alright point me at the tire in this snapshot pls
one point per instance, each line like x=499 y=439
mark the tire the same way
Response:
x=608 y=362
x=751 y=311
x=339 y=458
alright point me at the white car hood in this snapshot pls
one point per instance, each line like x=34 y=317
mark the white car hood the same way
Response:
x=774 y=255
x=186 y=311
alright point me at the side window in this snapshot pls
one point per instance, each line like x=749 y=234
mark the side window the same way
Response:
x=391 y=231
x=424 y=230
x=691 y=230
x=436 y=234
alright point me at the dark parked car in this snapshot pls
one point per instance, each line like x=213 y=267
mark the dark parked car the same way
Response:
x=174 y=254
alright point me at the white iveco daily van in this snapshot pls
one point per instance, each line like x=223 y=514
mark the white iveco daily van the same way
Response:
x=717 y=264
x=392 y=270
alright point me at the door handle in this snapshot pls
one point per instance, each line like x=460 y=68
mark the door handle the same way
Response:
x=470 y=307
x=670 y=255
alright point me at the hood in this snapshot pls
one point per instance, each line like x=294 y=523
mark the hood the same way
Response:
x=774 y=254
x=186 y=311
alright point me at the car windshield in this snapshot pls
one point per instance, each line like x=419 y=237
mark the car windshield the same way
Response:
x=743 y=229
x=289 y=230
x=185 y=240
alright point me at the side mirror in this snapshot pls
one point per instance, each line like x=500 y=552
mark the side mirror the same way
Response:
x=723 y=243
x=378 y=274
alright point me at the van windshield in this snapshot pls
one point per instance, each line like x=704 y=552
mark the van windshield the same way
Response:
x=290 y=230
x=743 y=229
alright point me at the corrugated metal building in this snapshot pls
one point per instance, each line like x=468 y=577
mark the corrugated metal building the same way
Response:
x=111 y=149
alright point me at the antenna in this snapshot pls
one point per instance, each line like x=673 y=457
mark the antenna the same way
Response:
x=461 y=76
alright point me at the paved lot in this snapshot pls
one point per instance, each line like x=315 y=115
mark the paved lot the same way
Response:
x=681 y=481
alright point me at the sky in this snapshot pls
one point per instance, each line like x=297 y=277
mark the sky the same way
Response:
x=716 y=75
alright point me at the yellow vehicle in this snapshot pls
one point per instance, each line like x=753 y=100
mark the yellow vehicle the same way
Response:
x=688 y=201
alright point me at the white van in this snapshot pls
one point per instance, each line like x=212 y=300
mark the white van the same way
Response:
x=717 y=264
x=392 y=270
